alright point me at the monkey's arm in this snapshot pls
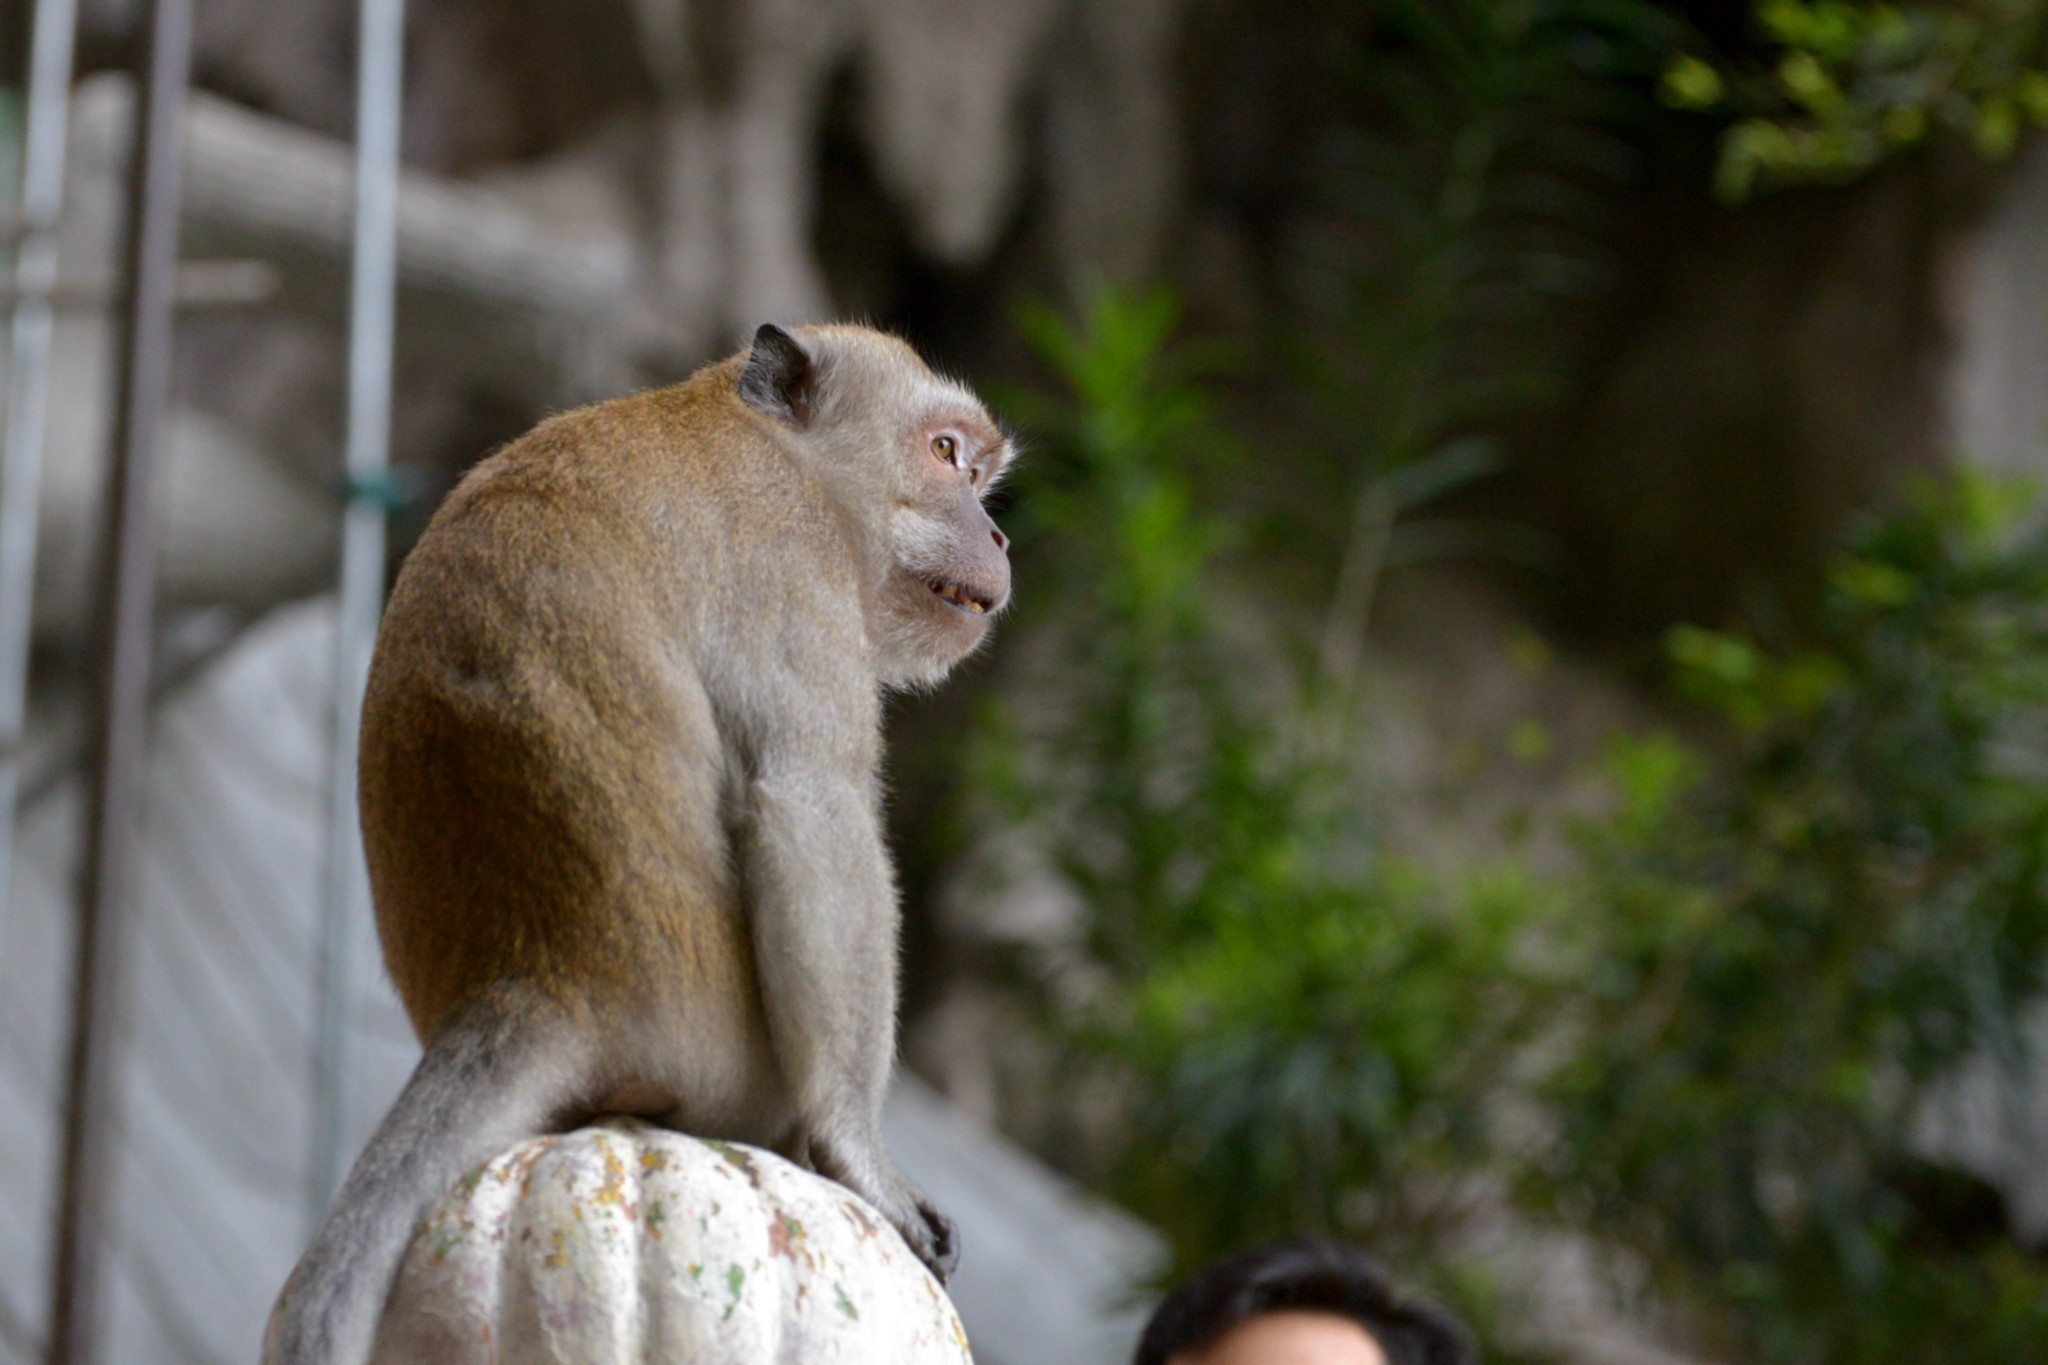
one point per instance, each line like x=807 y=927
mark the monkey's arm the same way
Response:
x=822 y=909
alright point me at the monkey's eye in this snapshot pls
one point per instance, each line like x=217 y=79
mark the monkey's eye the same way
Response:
x=947 y=449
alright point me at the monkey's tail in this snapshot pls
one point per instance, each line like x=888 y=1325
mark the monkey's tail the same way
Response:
x=501 y=1069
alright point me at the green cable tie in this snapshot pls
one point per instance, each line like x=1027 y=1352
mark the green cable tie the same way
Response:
x=390 y=488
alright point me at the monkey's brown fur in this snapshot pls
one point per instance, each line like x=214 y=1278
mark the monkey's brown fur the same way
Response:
x=597 y=768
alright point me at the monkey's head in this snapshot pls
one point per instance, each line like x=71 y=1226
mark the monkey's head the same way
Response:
x=909 y=456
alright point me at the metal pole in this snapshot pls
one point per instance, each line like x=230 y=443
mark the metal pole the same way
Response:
x=345 y=906
x=28 y=364
x=91 y=1120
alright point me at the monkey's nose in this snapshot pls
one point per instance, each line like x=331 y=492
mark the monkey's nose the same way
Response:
x=1002 y=541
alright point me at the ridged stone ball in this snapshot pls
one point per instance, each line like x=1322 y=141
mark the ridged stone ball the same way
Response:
x=624 y=1243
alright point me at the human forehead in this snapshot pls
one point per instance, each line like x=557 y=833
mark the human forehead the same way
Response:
x=1290 y=1337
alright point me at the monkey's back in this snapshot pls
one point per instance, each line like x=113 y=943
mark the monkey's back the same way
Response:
x=545 y=785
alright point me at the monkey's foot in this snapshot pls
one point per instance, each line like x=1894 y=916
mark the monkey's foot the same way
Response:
x=929 y=1234
x=944 y=1257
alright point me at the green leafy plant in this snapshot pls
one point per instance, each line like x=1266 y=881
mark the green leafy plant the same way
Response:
x=1466 y=205
x=1713 y=1038
x=1718 y=1031
x=1785 y=956
x=1303 y=1034
x=1845 y=84
x=1300 y=1034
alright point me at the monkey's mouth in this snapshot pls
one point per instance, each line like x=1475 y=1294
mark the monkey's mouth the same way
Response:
x=960 y=597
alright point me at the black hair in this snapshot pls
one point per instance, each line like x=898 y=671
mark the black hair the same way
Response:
x=1310 y=1275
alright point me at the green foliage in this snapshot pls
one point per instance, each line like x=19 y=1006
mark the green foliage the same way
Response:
x=1109 y=484
x=1711 y=1038
x=1113 y=467
x=1781 y=958
x=1235 y=909
x=1716 y=1031
x=1466 y=205
x=1851 y=82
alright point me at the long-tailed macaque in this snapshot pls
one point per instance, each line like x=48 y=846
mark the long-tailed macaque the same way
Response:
x=620 y=788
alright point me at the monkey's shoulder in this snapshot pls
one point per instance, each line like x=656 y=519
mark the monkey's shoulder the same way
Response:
x=656 y=521
x=686 y=459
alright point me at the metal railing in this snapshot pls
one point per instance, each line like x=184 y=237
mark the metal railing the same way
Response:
x=372 y=302
x=153 y=286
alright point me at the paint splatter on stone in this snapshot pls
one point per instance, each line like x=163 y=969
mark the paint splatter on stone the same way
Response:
x=741 y=1258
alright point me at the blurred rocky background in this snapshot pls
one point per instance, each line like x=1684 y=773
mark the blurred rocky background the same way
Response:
x=1520 y=738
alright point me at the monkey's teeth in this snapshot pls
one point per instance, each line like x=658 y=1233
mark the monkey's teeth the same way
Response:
x=959 y=597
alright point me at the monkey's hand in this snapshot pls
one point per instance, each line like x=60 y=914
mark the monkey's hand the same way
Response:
x=942 y=1254
x=928 y=1233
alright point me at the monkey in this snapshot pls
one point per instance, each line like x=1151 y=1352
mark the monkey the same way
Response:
x=620 y=787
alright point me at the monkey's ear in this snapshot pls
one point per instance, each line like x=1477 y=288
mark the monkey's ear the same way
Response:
x=780 y=378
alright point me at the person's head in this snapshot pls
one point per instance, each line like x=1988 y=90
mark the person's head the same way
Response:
x=1306 y=1302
